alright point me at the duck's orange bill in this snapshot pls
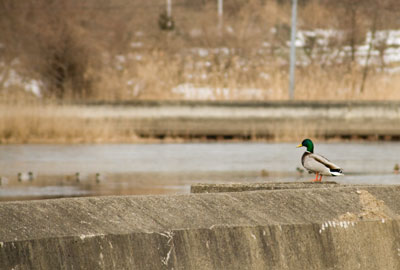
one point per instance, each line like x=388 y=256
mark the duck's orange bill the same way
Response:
x=300 y=145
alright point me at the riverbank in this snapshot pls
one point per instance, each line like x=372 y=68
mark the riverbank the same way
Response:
x=182 y=121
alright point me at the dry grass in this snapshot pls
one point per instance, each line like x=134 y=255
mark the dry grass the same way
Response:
x=32 y=122
x=85 y=51
x=159 y=74
x=318 y=84
x=38 y=123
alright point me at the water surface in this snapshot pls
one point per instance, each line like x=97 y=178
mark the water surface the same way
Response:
x=171 y=168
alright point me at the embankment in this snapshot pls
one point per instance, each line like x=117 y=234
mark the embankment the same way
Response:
x=269 y=120
x=307 y=228
x=173 y=120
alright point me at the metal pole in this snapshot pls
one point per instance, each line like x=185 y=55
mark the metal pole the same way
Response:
x=292 y=50
x=169 y=8
x=220 y=16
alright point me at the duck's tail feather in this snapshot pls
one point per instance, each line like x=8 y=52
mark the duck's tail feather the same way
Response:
x=336 y=172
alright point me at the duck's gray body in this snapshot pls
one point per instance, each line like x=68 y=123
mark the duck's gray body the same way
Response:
x=318 y=164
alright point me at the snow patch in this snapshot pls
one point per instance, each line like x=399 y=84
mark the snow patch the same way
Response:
x=83 y=237
x=334 y=224
x=189 y=91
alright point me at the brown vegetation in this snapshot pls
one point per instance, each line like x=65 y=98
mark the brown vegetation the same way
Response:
x=116 y=50
x=50 y=123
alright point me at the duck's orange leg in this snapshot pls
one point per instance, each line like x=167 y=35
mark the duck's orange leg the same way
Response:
x=320 y=178
x=316 y=178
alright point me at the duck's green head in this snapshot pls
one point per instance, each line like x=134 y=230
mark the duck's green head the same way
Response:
x=308 y=144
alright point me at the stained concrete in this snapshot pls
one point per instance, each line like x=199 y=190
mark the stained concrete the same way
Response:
x=308 y=228
x=239 y=187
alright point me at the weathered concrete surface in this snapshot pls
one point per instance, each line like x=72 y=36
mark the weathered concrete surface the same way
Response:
x=324 y=228
x=239 y=187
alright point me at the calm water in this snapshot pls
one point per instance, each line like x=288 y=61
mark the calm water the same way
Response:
x=171 y=168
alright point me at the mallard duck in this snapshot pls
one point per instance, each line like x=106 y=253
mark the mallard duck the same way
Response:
x=317 y=164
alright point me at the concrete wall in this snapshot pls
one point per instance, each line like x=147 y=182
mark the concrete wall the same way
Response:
x=240 y=187
x=311 y=228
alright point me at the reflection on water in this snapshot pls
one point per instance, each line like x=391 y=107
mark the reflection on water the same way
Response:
x=126 y=169
x=32 y=192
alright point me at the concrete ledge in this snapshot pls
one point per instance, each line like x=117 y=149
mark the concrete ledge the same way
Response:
x=323 y=228
x=239 y=187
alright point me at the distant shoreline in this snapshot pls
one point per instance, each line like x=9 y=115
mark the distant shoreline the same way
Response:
x=198 y=121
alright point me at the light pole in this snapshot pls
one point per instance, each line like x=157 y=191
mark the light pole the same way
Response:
x=220 y=16
x=169 y=8
x=292 y=50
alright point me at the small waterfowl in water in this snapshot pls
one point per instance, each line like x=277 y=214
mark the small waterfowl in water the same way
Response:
x=317 y=164
x=264 y=173
x=31 y=176
x=3 y=180
x=300 y=171
x=99 y=178
x=77 y=177
x=23 y=177
x=396 y=168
